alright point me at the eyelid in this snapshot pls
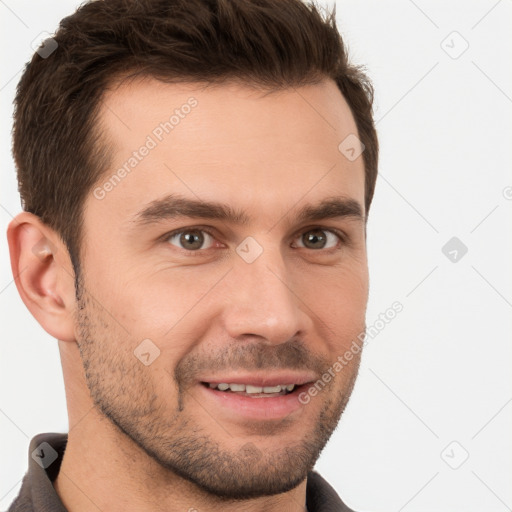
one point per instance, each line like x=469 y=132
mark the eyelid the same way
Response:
x=171 y=234
x=343 y=238
x=207 y=229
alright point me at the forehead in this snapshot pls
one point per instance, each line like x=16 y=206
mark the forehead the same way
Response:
x=233 y=143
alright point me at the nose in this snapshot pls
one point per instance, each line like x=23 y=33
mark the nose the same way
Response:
x=261 y=301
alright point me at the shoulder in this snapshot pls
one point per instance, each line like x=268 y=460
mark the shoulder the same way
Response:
x=321 y=496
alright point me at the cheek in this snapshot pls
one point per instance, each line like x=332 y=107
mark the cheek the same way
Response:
x=339 y=305
x=163 y=306
x=339 y=292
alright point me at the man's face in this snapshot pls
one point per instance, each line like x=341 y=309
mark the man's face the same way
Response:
x=213 y=305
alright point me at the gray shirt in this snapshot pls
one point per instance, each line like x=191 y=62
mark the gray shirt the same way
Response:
x=37 y=493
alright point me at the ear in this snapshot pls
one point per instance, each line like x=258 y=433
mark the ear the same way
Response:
x=43 y=274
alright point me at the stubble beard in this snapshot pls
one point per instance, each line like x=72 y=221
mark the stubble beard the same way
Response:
x=123 y=391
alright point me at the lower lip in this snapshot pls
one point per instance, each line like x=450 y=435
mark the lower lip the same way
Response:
x=271 y=408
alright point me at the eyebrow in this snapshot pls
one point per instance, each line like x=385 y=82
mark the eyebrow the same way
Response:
x=173 y=206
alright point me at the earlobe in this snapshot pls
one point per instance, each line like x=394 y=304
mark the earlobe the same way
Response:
x=43 y=274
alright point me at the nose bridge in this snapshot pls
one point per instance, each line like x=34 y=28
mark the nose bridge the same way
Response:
x=260 y=299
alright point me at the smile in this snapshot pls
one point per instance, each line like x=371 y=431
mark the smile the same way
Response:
x=252 y=391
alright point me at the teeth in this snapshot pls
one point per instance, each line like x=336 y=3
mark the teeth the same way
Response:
x=253 y=389
x=248 y=388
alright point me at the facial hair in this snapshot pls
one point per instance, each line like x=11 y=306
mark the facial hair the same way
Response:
x=129 y=395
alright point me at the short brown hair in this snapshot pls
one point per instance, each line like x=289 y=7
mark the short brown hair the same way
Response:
x=274 y=44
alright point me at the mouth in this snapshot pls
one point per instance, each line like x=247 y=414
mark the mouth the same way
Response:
x=256 y=400
x=252 y=391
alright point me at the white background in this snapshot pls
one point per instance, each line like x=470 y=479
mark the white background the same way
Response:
x=440 y=371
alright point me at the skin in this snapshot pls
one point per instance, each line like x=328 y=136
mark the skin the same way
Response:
x=140 y=437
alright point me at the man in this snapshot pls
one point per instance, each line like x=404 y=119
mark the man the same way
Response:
x=196 y=178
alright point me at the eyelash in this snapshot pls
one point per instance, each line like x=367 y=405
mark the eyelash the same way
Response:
x=200 y=252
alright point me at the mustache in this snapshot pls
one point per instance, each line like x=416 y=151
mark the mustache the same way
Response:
x=291 y=355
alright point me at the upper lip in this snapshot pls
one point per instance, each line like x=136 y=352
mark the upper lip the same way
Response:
x=262 y=379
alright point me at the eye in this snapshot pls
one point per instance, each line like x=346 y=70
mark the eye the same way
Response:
x=195 y=239
x=319 y=238
x=190 y=239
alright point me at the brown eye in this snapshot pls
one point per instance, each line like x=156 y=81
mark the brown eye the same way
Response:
x=190 y=239
x=319 y=239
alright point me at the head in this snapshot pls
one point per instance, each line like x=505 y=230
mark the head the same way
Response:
x=183 y=167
